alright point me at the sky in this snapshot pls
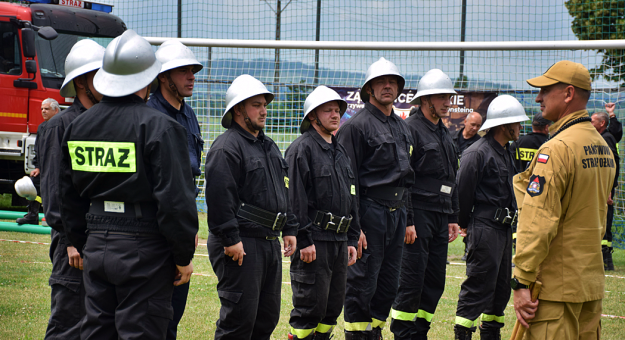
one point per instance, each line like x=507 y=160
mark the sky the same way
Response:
x=365 y=20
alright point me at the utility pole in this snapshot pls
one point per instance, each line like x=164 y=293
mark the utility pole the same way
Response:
x=463 y=23
x=316 y=81
x=278 y=11
x=179 y=18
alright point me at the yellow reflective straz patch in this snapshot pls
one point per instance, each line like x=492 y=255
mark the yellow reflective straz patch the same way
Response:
x=353 y=190
x=286 y=182
x=103 y=156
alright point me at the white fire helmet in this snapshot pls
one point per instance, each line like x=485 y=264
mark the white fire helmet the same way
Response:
x=173 y=54
x=316 y=98
x=84 y=57
x=380 y=68
x=433 y=81
x=24 y=187
x=242 y=88
x=504 y=109
x=129 y=65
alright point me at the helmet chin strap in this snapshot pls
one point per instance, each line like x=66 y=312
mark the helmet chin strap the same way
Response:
x=88 y=90
x=147 y=94
x=325 y=130
x=172 y=87
x=432 y=109
x=248 y=121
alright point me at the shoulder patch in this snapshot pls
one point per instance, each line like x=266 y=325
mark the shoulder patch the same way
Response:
x=542 y=158
x=536 y=185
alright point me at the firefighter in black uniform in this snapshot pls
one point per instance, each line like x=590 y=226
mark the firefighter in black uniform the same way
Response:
x=379 y=144
x=247 y=199
x=488 y=210
x=66 y=279
x=600 y=122
x=323 y=195
x=127 y=199
x=525 y=148
x=176 y=82
x=435 y=210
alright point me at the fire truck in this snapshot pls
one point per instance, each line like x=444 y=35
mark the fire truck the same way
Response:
x=35 y=38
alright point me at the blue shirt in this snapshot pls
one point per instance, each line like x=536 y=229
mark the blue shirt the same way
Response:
x=186 y=117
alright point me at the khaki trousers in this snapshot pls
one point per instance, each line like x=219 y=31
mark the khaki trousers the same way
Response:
x=566 y=321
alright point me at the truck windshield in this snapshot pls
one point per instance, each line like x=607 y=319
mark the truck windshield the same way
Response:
x=52 y=54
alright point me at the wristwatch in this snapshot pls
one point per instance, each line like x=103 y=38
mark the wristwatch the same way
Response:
x=515 y=284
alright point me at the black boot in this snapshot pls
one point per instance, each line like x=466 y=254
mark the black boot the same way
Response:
x=607 y=259
x=294 y=337
x=463 y=333
x=376 y=334
x=323 y=336
x=490 y=334
x=604 y=252
x=32 y=217
x=356 y=335
x=419 y=336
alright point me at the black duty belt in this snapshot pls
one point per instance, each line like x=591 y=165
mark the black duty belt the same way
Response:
x=328 y=221
x=435 y=186
x=383 y=192
x=263 y=217
x=145 y=210
x=504 y=216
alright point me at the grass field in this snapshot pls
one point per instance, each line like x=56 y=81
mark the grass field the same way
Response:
x=25 y=294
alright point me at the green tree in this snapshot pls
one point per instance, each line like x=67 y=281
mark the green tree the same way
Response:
x=601 y=20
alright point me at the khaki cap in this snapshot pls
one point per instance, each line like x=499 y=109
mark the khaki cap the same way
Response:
x=566 y=72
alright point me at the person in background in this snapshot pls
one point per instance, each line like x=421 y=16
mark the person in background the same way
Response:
x=600 y=121
x=49 y=108
x=66 y=279
x=175 y=82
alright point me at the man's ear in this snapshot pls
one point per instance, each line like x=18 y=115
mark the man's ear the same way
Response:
x=569 y=93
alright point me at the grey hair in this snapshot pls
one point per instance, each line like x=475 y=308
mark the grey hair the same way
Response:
x=53 y=103
x=604 y=117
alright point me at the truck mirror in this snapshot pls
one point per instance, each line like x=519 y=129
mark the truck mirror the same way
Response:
x=48 y=33
x=28 y=43
x=31 y=66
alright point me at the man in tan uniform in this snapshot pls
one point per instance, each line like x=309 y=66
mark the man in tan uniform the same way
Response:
x=562 y=199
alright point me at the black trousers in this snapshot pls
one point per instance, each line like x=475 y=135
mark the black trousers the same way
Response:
x=67 y=303
x=250 y=294
x=422 y=279
x=608 y=229
x=129 y=283
x=486 y=290
x=178 y=303
x=318 y=288
x=373 y=280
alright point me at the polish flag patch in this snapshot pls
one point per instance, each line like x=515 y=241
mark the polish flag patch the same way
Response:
x=542 y=158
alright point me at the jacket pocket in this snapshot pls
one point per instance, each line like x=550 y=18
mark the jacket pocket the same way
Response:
x=322 y=182
x=429 y=161
x=255 y=179
x=383 y=151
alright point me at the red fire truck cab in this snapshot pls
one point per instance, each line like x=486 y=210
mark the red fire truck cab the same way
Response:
x=32 y=69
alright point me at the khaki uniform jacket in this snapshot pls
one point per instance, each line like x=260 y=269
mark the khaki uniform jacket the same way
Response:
x=562 y=199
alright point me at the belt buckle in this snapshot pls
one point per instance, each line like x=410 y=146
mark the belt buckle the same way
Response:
x=270 y=238
x=507 y=219
x=392 y=209
x=275 y=222
x=330 y=216
x=338 y=230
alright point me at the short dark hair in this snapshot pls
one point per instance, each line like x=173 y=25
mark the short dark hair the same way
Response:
x=539 y=121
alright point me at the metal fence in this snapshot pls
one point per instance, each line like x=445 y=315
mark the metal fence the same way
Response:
x=533 y=32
